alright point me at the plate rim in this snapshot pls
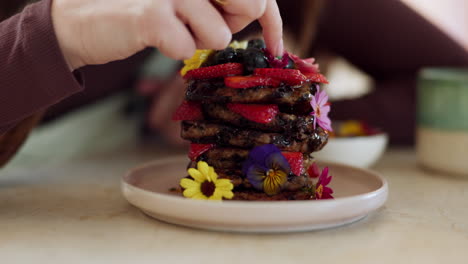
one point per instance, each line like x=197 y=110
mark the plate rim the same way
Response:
x=243 y=204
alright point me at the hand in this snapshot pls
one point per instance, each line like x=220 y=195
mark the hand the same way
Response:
x=100 y=31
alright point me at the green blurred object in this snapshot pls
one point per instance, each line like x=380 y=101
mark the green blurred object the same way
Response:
x=443 y=98
x=158 y=66
x=442 y=129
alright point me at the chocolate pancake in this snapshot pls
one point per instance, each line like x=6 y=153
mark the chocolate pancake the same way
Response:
x=252 y=195
x=206 y=132
x=233 y=158
x=216 y=91
x=300 y=125
x=294 y=182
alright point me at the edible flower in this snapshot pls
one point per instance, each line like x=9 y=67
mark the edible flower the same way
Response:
x=321 y=189
x=239 y=44
x=276 y=62
x=205 y=184
x=267 y=169
x=321 y=108
x=200 y=56
x=305 y=65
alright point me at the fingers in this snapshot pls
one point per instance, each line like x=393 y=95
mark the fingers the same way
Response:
x=272 y=25
x=177 y=30
x=162 y=29
x=240 y=13
x=207 y=25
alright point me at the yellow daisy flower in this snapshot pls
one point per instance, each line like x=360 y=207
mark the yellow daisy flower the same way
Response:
x=239 y=44
x=196 y=61
x=205 y=184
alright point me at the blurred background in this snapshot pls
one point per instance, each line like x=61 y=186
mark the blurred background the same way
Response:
x=451 y=16
x=376 y=83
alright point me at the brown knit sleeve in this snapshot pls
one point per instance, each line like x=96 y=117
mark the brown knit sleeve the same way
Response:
x=33 y=71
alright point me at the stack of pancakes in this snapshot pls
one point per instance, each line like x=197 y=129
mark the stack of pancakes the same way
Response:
x=233 y=135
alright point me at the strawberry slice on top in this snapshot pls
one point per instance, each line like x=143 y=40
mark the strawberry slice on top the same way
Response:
x=242 y=82
x=289 y=76
x=262 y=114
x=215 y=71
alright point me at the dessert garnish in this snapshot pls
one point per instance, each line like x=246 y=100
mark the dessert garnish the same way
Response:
x=204 y=184
x=322 y=191
x=258 y=113
x=256 y=120
x=266 y=169
x=321 y=108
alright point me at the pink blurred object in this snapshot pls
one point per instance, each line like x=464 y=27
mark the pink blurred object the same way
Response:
x=148 y=86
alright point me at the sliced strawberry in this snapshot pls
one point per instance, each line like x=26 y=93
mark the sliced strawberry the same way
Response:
x=289 y=76
x=313 y=170
x=316 y=77
x=215 y=71
x=241 y=82
x=296 y=161
x=197 y=149
x=305 y=65
x=188 y=110
x=258 y=113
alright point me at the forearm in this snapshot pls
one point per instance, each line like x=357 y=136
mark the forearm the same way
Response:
x=33 y=72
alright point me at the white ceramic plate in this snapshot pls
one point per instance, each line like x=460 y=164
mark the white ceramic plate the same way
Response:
x=357 y=193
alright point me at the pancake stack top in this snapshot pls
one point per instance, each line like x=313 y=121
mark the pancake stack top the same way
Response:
x=255 y=119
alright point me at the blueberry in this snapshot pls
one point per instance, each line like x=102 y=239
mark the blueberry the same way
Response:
x=290 y=65
x=256 y=43
x=254 y=58
x=240 y=55
x=225 y=56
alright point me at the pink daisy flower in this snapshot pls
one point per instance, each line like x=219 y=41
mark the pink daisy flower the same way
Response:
x=321 y=108
x=321 y=189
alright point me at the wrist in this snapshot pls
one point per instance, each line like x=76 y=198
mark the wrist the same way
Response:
x=64 y=29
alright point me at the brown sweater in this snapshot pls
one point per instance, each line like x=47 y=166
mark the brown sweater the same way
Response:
x=34 y=76
x=33 y=72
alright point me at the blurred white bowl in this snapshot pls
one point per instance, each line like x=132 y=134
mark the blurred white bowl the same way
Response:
x=362 y=151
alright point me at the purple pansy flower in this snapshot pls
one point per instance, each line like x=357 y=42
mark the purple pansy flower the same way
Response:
x=321 y=108
x=321 y=189
x=267 y=169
